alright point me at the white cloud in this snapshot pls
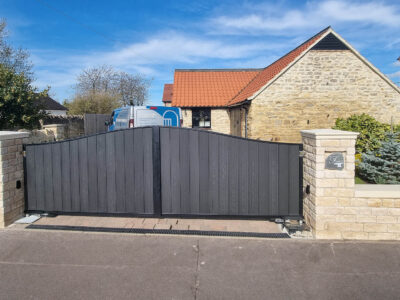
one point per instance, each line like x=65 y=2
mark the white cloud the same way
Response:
x=395 y=75
x=59 y=69
x=314 y=15
x=173 y=47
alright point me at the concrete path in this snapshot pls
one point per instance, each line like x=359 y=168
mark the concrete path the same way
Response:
x=259 y=226
x=75 y=265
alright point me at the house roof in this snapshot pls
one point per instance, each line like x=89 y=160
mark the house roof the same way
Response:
x=230 y=87
x=274 y=69
x=167 y=94
x=51 y=104
x=210 y=87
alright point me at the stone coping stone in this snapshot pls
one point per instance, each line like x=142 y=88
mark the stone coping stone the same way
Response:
x=54 y=125
x=7 y=135
x=377 y=190
x=328 y=134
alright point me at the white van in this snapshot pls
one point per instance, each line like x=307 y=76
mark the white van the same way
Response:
x=139 y=116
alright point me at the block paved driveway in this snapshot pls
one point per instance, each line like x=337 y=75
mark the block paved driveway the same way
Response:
x=74 y=265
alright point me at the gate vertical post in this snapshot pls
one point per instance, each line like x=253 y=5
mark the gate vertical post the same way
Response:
x=156 y=170
x=328 y=179
x=11 y=176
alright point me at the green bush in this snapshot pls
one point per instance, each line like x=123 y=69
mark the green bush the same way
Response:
x=372 y=132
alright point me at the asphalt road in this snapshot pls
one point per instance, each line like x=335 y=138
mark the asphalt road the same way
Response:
x=75 y=265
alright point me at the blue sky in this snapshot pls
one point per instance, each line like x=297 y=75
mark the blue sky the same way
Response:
x=155 y=37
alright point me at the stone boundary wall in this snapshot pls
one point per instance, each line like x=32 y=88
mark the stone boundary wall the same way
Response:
x=336 y=208
x=64 y=127
x=12 y=203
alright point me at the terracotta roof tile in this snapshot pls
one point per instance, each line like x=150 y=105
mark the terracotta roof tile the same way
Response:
x=272 y=70
x=167 y=94
x=209 y=87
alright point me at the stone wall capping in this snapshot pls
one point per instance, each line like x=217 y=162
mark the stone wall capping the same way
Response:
x=377 y=191
x=54 y=125
x=9 y=135
x=328 y=134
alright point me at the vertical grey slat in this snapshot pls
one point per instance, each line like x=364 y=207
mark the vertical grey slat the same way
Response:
x=101 y=159
x=120 y=170
x=294 y=152
x=85 y=123
x=39 y=174
x=57 y=183
x=31 y=176
x=48 y=178
x=156 y=171
x=184 y=170
x=205 y=206
x=111 y=186
x=73 y=152
x=129 y=171
x=223 y=175
x=93 y=128
x=283 y=179
x=66 y=177
x=83 y=178
x=166 y=170
x=194 y=172
x=100 y=120
x=233 y=176
x=214 y=174
x=273 y=173
x=148 y=170
x=92 y=173
x=253 y=180
x=139 y=167
x=263 y=150
x=175 y=171
x=244 y=177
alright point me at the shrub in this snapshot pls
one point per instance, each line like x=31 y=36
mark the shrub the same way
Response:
x=383 y=165
x=100 y=103
x=20 y=104
x=372 y=132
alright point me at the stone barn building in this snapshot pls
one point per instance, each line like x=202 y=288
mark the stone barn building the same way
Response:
x=310 y=87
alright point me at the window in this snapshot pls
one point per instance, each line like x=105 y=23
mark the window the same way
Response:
x=201 y=117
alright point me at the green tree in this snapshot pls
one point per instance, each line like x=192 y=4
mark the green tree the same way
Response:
x=383 y=165
x=92 y=103
x=20 y=105
x=16 y=59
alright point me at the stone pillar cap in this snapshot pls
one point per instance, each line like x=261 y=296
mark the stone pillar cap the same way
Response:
x=7 y=135
x=54 y=125
x=327 y=134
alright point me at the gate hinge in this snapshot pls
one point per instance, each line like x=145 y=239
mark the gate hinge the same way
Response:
x=302 y=153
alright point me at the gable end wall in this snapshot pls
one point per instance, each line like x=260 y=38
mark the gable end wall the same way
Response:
x=315 y=91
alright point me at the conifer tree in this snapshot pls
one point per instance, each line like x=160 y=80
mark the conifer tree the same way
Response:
x=383 y=165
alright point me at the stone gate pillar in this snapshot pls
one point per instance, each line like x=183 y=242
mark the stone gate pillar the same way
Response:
x=11 y=176
x=328 y=178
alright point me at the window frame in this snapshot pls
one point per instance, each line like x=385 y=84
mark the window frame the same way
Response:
x=201 y=113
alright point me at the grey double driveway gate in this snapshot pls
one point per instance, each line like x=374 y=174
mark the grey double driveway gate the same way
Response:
x=164 y=171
